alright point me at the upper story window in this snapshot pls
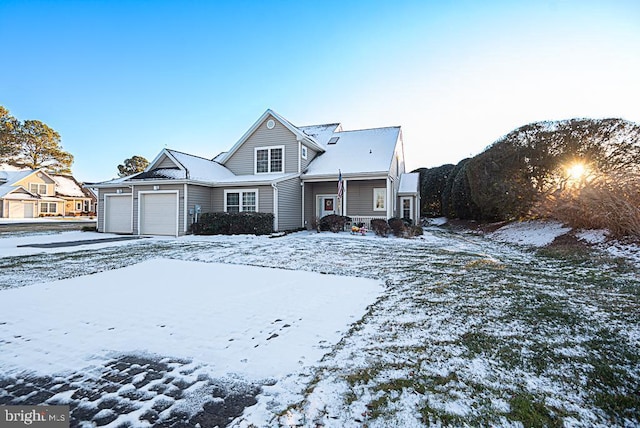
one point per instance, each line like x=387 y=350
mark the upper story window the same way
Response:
x=269 y=159
x=303 y=152
x=39 y=189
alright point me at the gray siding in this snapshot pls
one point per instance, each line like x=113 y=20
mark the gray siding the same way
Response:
x=165 y=162
x=309 y=205
x=360 y=197
x=311 y=154
x=217 y=200
x=197 y=195
x=101 y=193
x=242 y=161
x=178 y=187
x=289 y=204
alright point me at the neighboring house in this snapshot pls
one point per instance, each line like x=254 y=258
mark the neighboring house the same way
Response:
x=77 y=199
x=35 y=193
x=275 y=167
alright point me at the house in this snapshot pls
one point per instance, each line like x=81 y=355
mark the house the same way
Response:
x=78 y=200
x=35 y=193
x=275 y=167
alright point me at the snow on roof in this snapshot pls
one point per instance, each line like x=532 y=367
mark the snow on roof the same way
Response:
x=11 y=177
x=68 y=186
x=361 y=151
x=409 y=182
x=200 y=168
x=257 y=178
x=321 y=133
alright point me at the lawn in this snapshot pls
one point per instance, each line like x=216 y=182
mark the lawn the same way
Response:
x=466 y=331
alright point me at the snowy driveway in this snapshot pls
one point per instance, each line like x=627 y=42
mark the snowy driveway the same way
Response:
x=466 y=331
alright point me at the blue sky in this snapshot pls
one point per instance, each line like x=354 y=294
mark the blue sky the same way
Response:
x=118 y=79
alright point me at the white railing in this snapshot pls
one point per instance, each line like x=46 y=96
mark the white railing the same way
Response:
x=356 y=219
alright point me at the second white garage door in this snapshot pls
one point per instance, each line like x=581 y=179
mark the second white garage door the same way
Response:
x=159 y=213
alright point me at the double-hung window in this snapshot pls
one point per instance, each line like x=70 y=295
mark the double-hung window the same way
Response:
x=39 y=189
x=269 y=159
x=48 y=207
x=236 y=201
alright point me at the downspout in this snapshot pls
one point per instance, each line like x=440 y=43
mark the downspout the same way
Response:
x=186 y=209
x=302 y=205
x=389 y=198
x=275 y=206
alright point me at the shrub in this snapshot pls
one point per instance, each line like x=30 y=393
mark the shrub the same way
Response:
x=605 y=202
x=415 y=231
x=397 y=226
x=221 y=223
x=380 y=227
x=88 y=229
x=333 y=222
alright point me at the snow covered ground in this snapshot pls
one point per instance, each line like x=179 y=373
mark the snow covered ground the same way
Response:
x=464 y=330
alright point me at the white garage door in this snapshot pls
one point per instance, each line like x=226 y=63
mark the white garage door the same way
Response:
x=16 y=209
x=117 y=214
x=28 y=209
x=158 y=214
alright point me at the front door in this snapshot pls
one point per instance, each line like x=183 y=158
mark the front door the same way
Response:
x=327 y=204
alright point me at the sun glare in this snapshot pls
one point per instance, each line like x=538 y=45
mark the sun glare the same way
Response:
x=576 y=171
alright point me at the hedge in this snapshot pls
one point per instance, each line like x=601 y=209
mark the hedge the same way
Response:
x=221 y=223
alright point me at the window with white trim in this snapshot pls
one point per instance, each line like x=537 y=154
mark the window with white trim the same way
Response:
x=236 y=201
x=303 y=152
x=269 y=159
x=48 y=207
x=380 y=199
x=39 y=189
x=78 y=206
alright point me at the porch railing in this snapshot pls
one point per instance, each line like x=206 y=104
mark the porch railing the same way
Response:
x=366 y=220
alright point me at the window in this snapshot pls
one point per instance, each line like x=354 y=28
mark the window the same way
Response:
x=269 y=159
x=78 y=206
x=48 y=207
x=40 y=189
x=303 y=152
x=333 y=140
x=380 y=199
x=406 y=208
x=241 y=201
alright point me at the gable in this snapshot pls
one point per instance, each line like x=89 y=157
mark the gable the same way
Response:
x=37 y=178
x=162 y=161
x=242 y=160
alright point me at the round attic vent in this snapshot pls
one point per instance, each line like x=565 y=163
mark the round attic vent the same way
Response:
x=271 y=124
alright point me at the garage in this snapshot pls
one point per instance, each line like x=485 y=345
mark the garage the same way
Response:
x=21 y=209
x=117 y=214
x=159 y=213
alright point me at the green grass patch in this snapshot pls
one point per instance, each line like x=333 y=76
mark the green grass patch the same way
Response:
x=531 y=412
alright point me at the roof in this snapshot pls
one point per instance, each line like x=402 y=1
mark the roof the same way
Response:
x=409 y=183
x=67 y=186
x=9 y=177
x=199 y=168
x=363 y=151
x=321 y=133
